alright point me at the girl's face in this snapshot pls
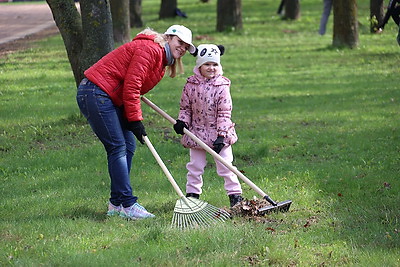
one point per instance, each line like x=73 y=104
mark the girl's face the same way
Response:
x=209 y=69
x=178 y=47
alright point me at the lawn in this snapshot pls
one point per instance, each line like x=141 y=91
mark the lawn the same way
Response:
x=317 y=125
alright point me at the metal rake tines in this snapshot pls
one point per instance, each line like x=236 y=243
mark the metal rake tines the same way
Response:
x=197 y=220
x=189 y=205
x=194 y=213
x=280 y=207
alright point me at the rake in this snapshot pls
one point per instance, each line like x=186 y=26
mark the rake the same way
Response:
x=189 y=212
x=274 y=207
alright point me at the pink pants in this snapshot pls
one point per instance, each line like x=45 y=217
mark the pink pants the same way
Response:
x=196 y=169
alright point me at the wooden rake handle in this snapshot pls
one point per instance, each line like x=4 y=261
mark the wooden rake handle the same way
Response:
x=163 y=167
x=210 y=150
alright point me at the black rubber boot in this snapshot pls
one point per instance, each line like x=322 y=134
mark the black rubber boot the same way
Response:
x=234 y=199
x=193 y=195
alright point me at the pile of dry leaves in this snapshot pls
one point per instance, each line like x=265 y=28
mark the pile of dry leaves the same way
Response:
x=249 y=209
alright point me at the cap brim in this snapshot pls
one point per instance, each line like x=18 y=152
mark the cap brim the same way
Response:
x=192 y=48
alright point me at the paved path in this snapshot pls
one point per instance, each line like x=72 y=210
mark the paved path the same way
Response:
x=19 y=21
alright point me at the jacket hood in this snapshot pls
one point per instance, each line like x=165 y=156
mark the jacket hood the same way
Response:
x=156 y=38
x=142 y=36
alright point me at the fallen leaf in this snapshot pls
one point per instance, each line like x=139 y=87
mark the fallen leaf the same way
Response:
x=245 y=207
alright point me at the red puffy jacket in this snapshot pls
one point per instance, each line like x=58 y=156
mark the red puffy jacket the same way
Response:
x=129 y=71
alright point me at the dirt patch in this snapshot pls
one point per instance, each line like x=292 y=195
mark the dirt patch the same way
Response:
x=26 y=42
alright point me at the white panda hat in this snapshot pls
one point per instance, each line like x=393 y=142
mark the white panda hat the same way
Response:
x=208 y=53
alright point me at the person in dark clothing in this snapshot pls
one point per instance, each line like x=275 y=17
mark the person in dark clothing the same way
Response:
x=393 y=11
x=325 y=16
x=280 y=8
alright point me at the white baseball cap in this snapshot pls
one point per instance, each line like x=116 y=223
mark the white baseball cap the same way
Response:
x=184 y=34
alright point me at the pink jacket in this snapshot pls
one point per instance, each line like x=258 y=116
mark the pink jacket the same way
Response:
x=206 y=107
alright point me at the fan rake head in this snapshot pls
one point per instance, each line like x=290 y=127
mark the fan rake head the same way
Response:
x=195 y=213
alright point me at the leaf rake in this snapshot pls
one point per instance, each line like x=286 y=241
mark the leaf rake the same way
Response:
x=274 y=207
x=189 y=212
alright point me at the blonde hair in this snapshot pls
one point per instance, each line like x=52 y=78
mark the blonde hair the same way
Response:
x=162 y=39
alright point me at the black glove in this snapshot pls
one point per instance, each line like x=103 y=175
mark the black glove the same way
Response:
x=218 y=144
x=179 y=125
x=137 y=128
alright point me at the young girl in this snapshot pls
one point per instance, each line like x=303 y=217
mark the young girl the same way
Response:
x=205 y=109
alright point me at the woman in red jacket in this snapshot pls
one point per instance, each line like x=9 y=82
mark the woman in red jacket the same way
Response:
x=109 y=97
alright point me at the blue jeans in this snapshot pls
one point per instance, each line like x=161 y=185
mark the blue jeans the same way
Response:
x=109 y=124
x=325 y=16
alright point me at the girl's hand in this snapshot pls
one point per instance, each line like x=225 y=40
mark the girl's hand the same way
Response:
x=218 y=144
x=179 y=126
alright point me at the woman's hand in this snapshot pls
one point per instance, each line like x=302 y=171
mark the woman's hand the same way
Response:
x=137 y=128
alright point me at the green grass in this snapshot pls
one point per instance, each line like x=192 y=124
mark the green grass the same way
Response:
x=316 y=125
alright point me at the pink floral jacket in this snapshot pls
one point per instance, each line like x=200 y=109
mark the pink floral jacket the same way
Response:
x=206 y=107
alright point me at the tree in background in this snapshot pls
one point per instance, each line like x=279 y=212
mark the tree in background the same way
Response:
x=135 y=13
x=120 y=20
x=345 y=24
x=376 y=14
x=87 y=36
x=168 y=9
x=229 y=15
x=292 y=9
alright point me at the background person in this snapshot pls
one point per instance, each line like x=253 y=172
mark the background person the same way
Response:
x=393 y=11
x=325 y=16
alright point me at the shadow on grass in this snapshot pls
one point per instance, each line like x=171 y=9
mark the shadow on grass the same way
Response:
x=82 y=212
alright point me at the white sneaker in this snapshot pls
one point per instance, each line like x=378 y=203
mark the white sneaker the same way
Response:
x=113 y=210
x=135 y=212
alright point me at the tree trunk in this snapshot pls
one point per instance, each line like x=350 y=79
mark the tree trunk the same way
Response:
x=376 y=14
x=120 y=20
x=87 y=38
x=97 y=31
x=229 y=15
x=68 y=21
x=345 y=24
x=168 y=9
x=135 y=13
x=292 y=9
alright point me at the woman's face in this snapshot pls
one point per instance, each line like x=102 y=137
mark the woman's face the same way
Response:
x=209 y=69
x=177 y=46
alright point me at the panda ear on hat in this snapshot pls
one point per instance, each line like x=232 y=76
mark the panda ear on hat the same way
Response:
x=221 y=49
x=196 y=51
